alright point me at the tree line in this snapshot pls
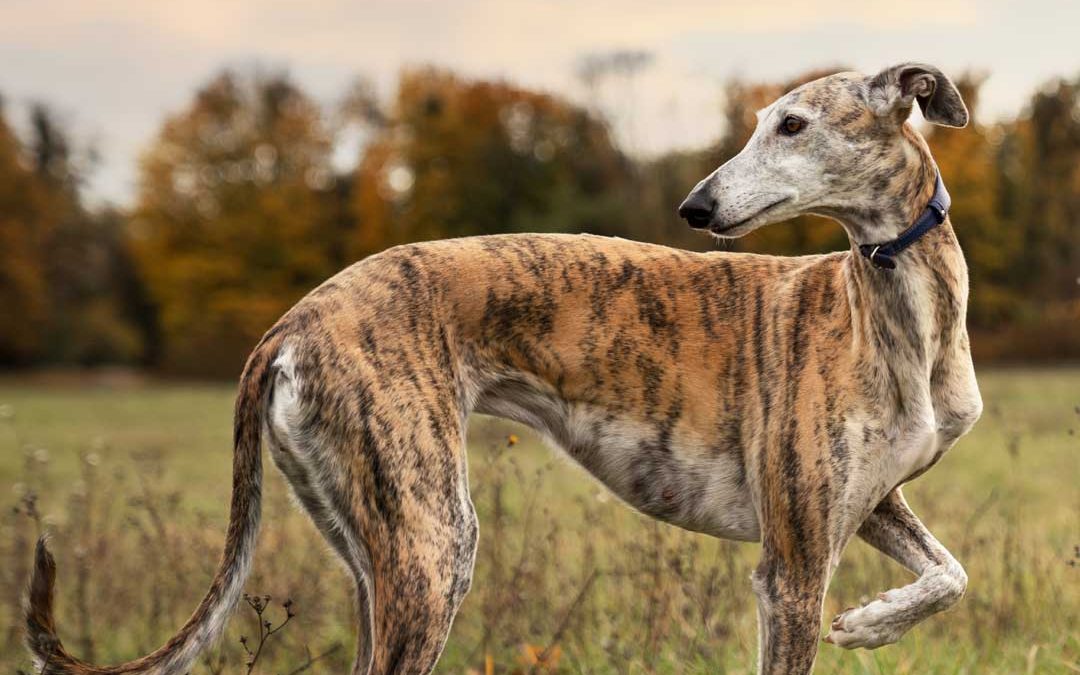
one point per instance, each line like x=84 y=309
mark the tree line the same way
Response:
x=240 y=210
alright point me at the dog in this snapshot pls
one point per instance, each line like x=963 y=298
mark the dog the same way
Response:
x=784 y=400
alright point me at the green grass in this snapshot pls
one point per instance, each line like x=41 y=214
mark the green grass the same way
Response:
x=134 y=481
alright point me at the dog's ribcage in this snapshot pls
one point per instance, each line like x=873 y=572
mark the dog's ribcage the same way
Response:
x=670 y=474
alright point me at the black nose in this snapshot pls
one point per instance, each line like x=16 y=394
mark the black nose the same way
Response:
x=697 y=210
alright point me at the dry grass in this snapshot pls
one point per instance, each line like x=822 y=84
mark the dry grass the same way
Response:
x=132 y=481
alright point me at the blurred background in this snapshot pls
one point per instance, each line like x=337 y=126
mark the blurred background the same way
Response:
x=174 y=176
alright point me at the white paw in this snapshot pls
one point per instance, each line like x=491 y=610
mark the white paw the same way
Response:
x=869 y=627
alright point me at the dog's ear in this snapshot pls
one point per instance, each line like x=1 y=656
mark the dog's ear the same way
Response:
x=892 y=92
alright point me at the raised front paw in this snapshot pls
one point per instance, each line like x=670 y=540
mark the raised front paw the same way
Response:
x=869 y=627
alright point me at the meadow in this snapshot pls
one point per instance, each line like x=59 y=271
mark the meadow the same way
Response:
x=132 y=479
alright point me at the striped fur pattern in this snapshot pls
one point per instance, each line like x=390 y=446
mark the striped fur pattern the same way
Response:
x=756 y=398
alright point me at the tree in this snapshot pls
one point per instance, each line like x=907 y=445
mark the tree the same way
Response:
x=1055 y=187
x=23 y=231
x=90 y=320
x=458 y=157
x=1038 y=171
x=235 y=218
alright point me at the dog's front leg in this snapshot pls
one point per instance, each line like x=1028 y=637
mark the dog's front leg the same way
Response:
x=790 y=583
x=894 y=530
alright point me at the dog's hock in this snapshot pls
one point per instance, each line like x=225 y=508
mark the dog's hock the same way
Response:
x=893 y=91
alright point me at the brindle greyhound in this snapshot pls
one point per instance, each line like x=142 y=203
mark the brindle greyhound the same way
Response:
x=777 y=399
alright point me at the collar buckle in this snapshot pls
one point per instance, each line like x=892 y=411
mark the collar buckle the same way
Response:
x=881 y=260
x=884 y=255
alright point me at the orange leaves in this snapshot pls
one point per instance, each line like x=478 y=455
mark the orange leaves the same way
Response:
x=234 y=222
x=459 y=157
x=541 y=659
x=531 y=659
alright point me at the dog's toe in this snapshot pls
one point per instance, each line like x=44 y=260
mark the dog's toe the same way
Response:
x=842 y=638
x=838 y=622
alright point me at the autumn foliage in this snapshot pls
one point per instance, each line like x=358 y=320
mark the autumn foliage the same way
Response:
x=243 y=206
x=234 y=219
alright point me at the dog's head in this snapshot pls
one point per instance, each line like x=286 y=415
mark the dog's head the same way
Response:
x=833 y=146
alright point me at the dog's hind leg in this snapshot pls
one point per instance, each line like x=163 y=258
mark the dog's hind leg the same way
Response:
x=894 y=530
x=344 y=538
x=422 y=572
x=386 y=484
x=294 y=452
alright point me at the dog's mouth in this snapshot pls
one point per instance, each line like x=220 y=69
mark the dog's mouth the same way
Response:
x=721 y=230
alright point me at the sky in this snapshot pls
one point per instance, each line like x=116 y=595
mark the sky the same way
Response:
x=114 y=69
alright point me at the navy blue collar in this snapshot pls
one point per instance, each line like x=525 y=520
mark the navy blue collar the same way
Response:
x=884 y=255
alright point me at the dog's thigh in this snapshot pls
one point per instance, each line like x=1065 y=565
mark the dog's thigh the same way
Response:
x=378 y=460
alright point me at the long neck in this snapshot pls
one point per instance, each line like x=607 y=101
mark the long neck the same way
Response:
x=905 y=320
x=915 y=311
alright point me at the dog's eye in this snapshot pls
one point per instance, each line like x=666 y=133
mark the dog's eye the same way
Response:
x=791 y=125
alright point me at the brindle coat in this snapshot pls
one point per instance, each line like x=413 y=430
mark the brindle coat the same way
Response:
x=744 y=396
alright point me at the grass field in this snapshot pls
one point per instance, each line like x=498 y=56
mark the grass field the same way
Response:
x=133 y=481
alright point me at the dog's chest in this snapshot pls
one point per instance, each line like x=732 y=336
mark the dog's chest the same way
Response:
x=917 y=450
x=677 y=476
x=898 y=452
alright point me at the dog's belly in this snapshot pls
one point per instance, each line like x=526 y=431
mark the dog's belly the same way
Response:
x=669 y=474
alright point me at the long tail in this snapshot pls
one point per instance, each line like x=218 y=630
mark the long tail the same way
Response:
x=208 y=620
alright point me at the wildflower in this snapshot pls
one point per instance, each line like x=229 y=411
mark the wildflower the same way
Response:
x=511 y=440
x=541 y=659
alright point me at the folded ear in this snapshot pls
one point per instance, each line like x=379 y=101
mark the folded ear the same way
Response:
x=892 y=92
